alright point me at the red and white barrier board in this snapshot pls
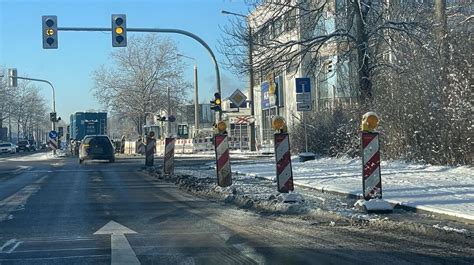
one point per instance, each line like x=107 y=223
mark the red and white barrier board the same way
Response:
x=284 y=171
x=53 y=143
x=168 y=166
x=371 y=179
x=224 y=177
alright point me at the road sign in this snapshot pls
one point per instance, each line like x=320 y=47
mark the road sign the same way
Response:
x=242 y=119
x=303 y=94
x=238 y=98
x=303 y=85
x=303 y=106
x=53 y=134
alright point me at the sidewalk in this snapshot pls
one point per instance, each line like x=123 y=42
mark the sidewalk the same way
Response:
x=437 y=189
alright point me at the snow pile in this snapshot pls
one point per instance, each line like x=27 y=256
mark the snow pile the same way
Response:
x=246 y=193
x=34 y=157
x=438 y=189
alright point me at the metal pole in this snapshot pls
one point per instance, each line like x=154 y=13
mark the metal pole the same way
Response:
x=169 y=111
x=251 y=94
x=196 y=100
x=305 y=132
x=157 y=30
x=53 y=123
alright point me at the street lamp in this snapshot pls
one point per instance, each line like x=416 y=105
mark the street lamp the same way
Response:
x=196 y=93
x=251 y=81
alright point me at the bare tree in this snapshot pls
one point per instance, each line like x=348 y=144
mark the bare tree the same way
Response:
x=356 y=28
x=136 y=83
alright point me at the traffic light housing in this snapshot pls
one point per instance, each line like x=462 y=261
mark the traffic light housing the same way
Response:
x=216 y=104
x=329 y=66
x=12 y=77
x=119 y=30
x=50 y=32
x=52 y=116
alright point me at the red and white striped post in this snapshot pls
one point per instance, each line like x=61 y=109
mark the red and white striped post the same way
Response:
x=168 y=158
x=224 y=176
x=284 y=170
x=371 y=178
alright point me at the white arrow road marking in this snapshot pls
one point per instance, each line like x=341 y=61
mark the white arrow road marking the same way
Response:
x=122 y=252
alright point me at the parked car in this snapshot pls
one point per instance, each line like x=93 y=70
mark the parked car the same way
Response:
x=96 y=147
x=7 y=148
x=25 y=146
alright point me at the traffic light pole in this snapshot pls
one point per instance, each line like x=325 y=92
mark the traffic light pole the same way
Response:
x=157 y=30
x=53 y=123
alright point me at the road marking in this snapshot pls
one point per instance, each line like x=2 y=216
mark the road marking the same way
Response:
x=122 y=252
x=10 y=242
x=12 y=203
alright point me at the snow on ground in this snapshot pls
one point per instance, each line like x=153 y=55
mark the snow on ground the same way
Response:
x=32 y=157
x=438 y=189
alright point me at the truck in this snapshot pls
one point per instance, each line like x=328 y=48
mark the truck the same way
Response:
x=87 y=123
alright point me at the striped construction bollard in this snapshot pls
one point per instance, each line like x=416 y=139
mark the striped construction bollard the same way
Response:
x=168 y=166
x=224 y=174
x=371 y=179
x=284 y=171
x=53 y=143
x=150 y=151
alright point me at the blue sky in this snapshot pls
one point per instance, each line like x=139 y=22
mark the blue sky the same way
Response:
x=69 y=67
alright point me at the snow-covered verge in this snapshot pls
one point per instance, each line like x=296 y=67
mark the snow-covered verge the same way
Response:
x=34 y=157
x=259 y=194
x=438 y=189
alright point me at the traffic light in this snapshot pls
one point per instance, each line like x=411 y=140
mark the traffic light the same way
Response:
x=329 y=66
x=12 y=77
x=119 y=31
x=50 y=32
x=52 y=116
x=216 y=103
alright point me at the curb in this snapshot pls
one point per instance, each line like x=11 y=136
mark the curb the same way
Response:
x=395 y=204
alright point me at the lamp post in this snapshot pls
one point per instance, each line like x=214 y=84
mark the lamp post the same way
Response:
x=196 y=93
x=251 y=81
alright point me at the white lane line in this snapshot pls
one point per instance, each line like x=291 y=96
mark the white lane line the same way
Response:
x=11 y=204
x=122 y=252
x=9 y=243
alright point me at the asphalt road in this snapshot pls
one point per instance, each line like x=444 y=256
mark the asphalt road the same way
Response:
x=51 y=212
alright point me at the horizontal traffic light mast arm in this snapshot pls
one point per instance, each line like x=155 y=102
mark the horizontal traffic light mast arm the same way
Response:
x=158 y=30
x=44 y=81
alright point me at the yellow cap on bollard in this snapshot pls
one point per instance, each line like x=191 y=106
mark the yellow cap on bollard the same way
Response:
x=370 y=122
x=221 y=126
x=278 y=123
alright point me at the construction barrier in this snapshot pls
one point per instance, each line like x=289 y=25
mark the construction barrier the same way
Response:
x=284 y=171
x=168 y=158
x=53 y=143
x=371 y=179
x=202 y=144
x=224 y=177
x=150 y=152
x=236 y=143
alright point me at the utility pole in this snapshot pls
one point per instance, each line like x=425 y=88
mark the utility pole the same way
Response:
x=169 y=111
x=251 y=80
x=196 y=101
x=196 y=93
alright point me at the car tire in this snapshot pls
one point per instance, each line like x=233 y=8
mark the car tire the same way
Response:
x=81 y=161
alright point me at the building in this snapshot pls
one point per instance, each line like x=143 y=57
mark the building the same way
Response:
x=330 y=72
